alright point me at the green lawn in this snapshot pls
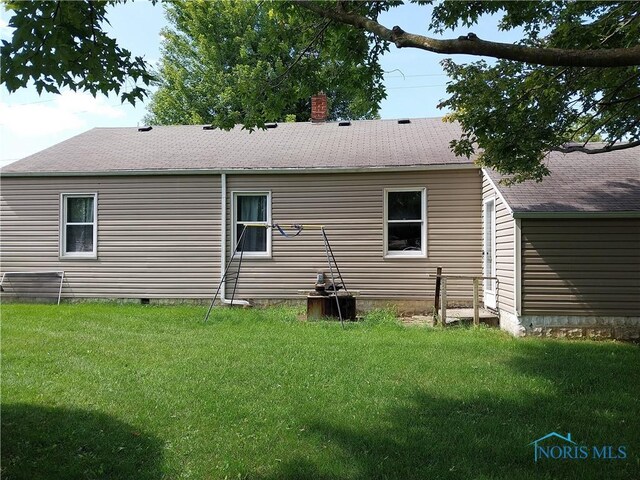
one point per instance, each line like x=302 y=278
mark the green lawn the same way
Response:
x=148 y=392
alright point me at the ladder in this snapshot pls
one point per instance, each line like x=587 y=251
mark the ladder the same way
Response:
x=331 y=261
x=233 y=274
x=229 y=272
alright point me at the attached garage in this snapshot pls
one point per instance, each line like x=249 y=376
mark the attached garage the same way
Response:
x=570 y=247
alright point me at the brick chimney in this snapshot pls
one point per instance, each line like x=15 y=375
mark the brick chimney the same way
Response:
x=319 y=110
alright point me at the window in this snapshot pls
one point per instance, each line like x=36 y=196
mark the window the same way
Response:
x=405 y=222
x=251 y=209
x=79 y=232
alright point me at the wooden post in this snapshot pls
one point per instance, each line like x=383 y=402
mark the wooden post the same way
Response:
x=476 y=308
x=443 y=308
x=436 y=300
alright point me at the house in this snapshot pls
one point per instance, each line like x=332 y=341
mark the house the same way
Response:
x=568 y=248
x=154 y=214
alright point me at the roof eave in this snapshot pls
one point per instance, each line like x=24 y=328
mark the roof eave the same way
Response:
x=622 y=214
x=241 y=171
x=496 y=189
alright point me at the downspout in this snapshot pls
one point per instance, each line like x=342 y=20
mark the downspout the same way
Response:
x=223 y=234
x=223 y=244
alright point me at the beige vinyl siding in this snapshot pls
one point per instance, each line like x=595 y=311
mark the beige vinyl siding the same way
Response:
x=351 y=206
x=158 y=237
x=504 y=249
x=581 y=267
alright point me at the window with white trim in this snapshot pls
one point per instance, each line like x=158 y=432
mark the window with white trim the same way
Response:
x=253 y=211
x=405 y=222
x=78 y=225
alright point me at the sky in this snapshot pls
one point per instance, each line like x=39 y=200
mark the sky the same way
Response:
x=30 y=122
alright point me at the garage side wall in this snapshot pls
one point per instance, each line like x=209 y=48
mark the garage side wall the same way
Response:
x=158 y=236
x=581 y=276
x=581 y=267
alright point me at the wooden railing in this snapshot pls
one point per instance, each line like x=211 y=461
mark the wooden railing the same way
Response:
x=440 y=300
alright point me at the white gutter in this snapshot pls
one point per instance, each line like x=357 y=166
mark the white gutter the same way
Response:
x=623 y=214
x=223 y=234
x=223 y=244
x=245 y=171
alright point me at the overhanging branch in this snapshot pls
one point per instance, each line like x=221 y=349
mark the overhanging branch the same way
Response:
x=605 y=149
x=472 y=45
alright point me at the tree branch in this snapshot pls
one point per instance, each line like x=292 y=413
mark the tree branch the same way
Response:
x=607 y=148
x=621 y=100
x=472 y=45
x=618 y=89
x=306 y=49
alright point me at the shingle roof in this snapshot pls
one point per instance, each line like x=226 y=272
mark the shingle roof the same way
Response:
x=369 y=143
x=580 y=183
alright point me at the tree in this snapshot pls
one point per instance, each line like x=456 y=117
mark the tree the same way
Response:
x=63 y=44
x=247 y=62
x=574 y=74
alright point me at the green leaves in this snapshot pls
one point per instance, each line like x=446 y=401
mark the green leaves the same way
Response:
x=512 y=113
x=62 y=44
x=234 y=62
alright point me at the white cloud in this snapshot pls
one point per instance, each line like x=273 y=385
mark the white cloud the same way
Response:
x=82 y=102
x=26 y=128
x=65 y=112
x=37 y=119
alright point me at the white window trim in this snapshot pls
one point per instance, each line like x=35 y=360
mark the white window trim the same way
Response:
x=234 y=221
x=423 y=241
x=490 y=285
x=63 y=227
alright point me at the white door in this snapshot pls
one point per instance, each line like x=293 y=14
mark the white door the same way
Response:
x=489 y=253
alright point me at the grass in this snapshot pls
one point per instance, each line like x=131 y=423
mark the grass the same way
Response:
x=148 y=392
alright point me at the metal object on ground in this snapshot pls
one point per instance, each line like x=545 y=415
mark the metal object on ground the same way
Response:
x=57 y=273
x=321 y=284
x=340 y=307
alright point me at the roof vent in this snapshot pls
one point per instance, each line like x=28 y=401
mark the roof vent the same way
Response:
x=208 y=127
x=404 y=121
x=144 y=129
x=344 y=124
x=271 y=125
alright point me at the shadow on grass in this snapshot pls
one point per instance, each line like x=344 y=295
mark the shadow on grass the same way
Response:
x=54 y=443
x=591 y=391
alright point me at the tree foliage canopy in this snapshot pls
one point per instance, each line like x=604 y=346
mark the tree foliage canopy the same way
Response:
x=518 y=111
x=574 y=75
x=63 y=44
x=230 y=62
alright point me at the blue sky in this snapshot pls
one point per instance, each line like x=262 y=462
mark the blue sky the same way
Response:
x=29 y=122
